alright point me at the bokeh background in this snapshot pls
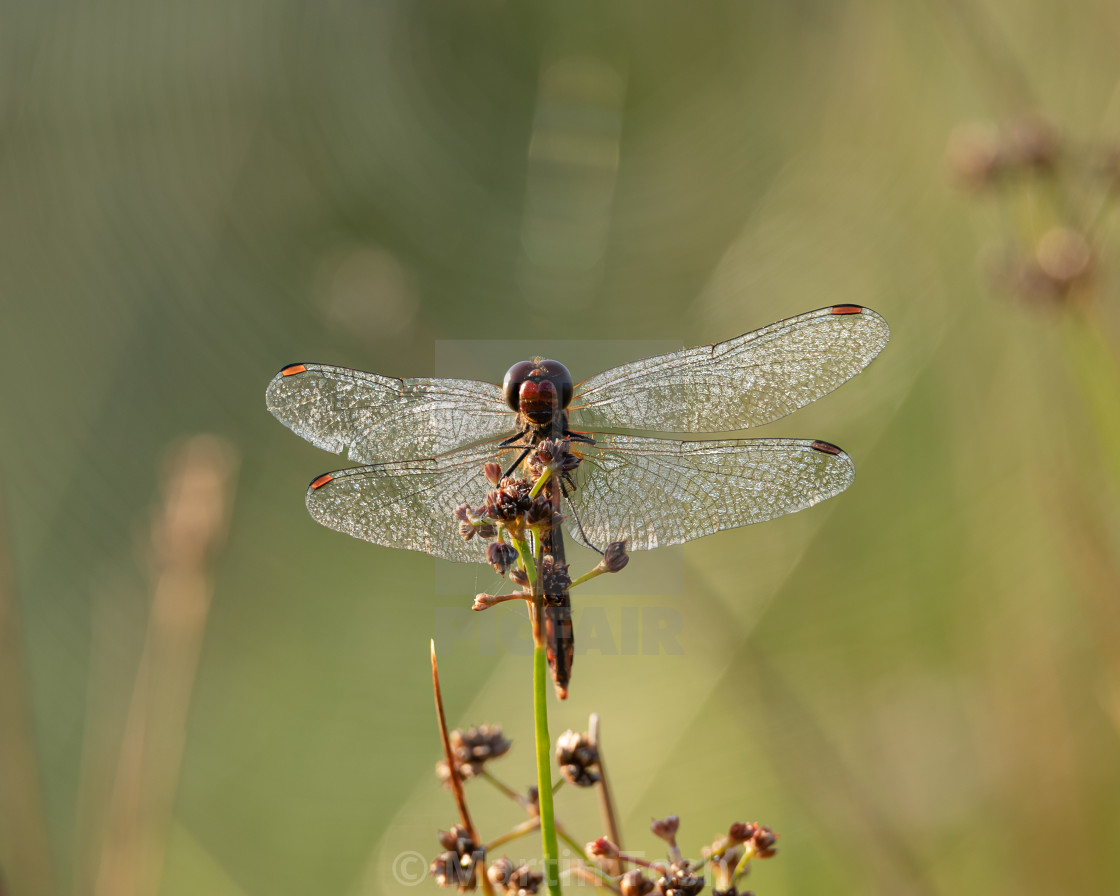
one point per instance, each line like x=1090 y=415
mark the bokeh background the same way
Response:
x=916 y=684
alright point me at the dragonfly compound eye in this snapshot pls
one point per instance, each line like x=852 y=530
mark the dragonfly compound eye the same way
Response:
x=511 y=385
x=560 y=377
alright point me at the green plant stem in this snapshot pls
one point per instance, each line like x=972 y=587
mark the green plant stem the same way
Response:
x=527 y=562
x=587 y=576
x=546 y=474
x=544 y=770
x=603 y=877
x=526 y=827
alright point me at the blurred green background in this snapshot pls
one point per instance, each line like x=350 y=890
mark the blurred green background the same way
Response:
x=916 y=684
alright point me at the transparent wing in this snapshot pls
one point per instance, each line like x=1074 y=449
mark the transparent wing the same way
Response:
x=407 y=504
x=747 y=381
x=656 y=492
x=376 y=417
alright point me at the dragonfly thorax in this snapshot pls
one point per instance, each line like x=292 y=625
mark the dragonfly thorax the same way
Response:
x=539 y=390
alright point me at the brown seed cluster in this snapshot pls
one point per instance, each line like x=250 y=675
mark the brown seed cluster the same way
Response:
x=578 y=759
x=615 y=557
x=472 y=749
x=501 y=556
x=984 y=153
x=727 y=858
x=555 y=578
x=554 y=453
x=762 y=841
x=1055 y=262
x=666 y=828
x=635 y=883
x=458 y=865
x=679 y=880
x=515 y=881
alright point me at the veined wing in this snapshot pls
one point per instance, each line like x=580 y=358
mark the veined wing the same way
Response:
x=376 y=417
x=656 y=492
x=409 y=503
x=747 y=381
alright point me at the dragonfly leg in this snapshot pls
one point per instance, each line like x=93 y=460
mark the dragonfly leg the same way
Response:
x=583 y=539
x=524 y=454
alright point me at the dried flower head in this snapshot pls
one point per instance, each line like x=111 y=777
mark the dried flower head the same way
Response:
x=602 y=849
x=666 y=828
x=487 y=530
x=764 y=842
x=509 y=500
x=500 y=871
x=615 y=557
x=539 y=511
x=555 y=577
x=458 y=865
x=578 y=758
x=552 y=453
x=501 y=556
x=680 y=880
x=472 y=749
x=472 y=522
x=1064 y=255
x=1032 y=143
x=519 y=881
x=760 y=840
x=975 y=154
x=635 y=883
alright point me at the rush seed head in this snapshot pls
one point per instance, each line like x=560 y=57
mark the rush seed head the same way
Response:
x=578 y=759
x=680 y=880
x=472 y=749
x=501 y=556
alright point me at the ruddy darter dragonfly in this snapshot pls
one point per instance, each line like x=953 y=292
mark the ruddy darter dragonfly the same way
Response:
x=423 y=442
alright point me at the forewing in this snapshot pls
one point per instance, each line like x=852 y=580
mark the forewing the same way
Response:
x=655 y=492
x=375 y=418
x=747 y=381
x=407 y=504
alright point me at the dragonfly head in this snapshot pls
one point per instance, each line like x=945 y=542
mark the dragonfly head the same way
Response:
x=538 y=389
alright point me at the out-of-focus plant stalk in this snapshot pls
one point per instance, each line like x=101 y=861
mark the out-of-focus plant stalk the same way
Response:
x=24 y=849
x=1094 y=363
x=190 y=527
x=606 y=800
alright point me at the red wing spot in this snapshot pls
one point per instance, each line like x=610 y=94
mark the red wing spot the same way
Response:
x=322 y=480
x=292 y=370
x=847 y=309
x=826 y=447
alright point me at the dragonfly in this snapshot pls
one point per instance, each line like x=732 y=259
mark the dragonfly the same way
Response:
x=421 y=443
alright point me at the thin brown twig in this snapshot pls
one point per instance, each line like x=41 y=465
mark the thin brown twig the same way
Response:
x=588 y=875
x=606 y=802
x=452 y=765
